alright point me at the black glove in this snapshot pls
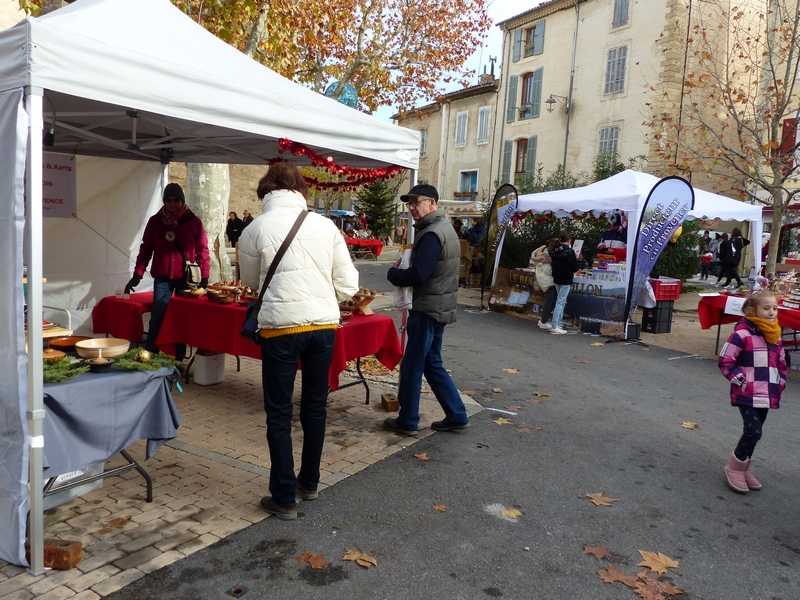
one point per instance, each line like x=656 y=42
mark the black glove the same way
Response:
x=204 y=282
x=135 y=280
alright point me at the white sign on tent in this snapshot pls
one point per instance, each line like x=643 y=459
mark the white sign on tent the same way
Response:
x=59 y=197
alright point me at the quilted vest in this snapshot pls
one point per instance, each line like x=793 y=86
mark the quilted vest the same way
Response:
x=438 y=296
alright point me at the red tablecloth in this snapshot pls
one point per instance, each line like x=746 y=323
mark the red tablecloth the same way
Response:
x=374 y=246
x=216 y=327
x=122 y=318
x=711 y=312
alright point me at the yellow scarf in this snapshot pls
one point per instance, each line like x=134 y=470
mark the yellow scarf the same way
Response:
x=770 y=329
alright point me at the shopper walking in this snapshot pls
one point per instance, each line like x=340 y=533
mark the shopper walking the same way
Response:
x=727 y=263
x=753 y=361
x=298 y=321
x=434 y=276
x=541 y=261
x=565 y=264
x=713 y=245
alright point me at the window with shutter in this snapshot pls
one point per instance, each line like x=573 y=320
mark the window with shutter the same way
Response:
x=423 y=142
x=530 y=160
x=522 y=156
x=534 y=40
x=508 y=148
x=615 y=70
x=517 y=50
x=511 y=100
x=620 y=13
x=536 y=92
x=609 y=142
x=483 y=124
x=461 y=130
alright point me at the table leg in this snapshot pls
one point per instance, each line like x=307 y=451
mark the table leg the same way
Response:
x=360 y=381
x=719 y=327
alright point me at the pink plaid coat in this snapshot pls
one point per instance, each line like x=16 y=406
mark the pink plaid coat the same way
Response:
x=755 y=368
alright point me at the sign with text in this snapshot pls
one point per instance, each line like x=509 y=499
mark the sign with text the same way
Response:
x=59 y=186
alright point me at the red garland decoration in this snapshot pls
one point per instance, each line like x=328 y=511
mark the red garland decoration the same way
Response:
x=354 y=176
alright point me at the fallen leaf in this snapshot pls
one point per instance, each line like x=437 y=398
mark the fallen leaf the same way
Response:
x=524 y=429
x=497 y=390
x=598 y=553
x=365 y=560
x=645 y=349
x=533 y=401
x=422 y=456
x=690 y=425
x=512 y=513
x=468 y=392
x=541 y=395
x=488 y=399
x=520 y=345
x=317 y=561
x=502 y=421
x=658 y=562
x=440 y=507
x=582 y=362
x=511 y=370
x=652 y=582
x=599 y=500
x=513 y=408
x=601 y=344
x=538 y=429
x=612 y=574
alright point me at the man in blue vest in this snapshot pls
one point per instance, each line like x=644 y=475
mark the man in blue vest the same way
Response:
x=433 y=274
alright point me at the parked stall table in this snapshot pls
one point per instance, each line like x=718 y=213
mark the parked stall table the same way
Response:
x=711 y=311
x=364 y=248
x=216 y=327
x=92 y=417
x=122 y=318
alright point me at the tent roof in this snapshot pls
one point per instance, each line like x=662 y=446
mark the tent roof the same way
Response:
x=196 y=96
x=627 y=191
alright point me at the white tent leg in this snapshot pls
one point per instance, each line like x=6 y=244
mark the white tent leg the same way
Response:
x=33 y=259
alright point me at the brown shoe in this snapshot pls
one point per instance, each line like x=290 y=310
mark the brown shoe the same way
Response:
x=284 y=513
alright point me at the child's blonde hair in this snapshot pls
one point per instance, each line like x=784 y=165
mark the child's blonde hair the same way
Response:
x=750 y=305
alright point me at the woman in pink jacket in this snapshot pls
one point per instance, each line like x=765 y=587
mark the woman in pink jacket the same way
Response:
x=753 y=361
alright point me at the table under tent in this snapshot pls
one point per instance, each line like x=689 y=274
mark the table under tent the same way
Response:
x=122 y=88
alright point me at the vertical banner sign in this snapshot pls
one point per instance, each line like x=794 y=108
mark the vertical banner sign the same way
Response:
x=504 y=206
x=59 y=197
x=665 y=209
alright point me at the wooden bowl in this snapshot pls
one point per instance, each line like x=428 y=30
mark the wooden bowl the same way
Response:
x=100 y=364
x=226 y=299
x=52 y=355
x=95 y=347
x=67 y=344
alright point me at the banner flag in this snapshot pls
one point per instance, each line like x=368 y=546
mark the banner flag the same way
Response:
x=504 y=206
x=663 y=212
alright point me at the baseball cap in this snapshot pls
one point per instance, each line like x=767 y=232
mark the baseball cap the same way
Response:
x=423 y=189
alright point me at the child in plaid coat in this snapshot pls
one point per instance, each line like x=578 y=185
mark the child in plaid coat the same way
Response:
x=753 y=361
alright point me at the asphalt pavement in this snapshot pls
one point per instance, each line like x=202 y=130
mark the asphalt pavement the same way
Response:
x=589 y=417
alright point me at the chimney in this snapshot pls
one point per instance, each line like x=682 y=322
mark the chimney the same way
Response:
x=487 y=77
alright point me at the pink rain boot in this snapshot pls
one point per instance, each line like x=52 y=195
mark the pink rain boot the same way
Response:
x=751 y=481
x=735 y=472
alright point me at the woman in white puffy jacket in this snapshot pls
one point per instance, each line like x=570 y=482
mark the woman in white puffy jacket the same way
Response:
x=298 y=321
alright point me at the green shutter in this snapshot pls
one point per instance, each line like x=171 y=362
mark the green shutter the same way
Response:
x=517 y=44
x=538 y=38
x=511 y=101
x=536 y=100
x=508 y=146
x=530 y=161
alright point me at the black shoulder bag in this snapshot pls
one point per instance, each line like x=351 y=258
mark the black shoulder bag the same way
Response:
x=250 y=327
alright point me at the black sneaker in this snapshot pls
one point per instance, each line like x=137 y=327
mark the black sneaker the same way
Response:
x=446 y=425
x=391 y=425
x=284 y=513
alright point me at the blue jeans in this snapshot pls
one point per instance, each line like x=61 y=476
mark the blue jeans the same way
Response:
x=423 y=355
x=562 y=291
x=279 y=360
x=162 y=292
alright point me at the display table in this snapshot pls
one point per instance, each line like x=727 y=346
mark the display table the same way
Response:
x=122 y=318
x=216 y=327
x=94 y=416
x=364 y=248
x=711 y=311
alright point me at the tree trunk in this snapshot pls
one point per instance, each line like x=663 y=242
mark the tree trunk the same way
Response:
x=775 y=236
x=208 y=190
x=254 y=37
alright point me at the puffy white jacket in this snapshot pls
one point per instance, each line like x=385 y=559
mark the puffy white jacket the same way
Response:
x=315 y=274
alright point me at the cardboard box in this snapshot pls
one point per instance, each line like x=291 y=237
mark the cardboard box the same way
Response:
x=209 y=368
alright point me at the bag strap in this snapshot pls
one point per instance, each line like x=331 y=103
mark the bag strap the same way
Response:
x=180 y=248
x=279 y=254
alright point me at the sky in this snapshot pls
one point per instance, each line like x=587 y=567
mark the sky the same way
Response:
x=499 y=10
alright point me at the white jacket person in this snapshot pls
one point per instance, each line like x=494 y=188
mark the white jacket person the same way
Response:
x=315 y=274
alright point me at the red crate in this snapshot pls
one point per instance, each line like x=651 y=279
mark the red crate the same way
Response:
x=666 y=288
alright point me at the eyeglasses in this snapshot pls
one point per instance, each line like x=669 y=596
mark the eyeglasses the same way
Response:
x=416 y=201
x=172 y=199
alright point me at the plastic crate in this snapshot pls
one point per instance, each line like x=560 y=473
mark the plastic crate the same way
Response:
x=656 y=326
x=666 y=288
x=661 y=312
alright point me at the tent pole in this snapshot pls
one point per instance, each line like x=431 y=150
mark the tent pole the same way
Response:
x=33 y=257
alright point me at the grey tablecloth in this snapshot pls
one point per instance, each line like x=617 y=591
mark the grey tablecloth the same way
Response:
x=93 y=416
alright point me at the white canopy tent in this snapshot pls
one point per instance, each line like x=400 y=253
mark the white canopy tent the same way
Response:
x=627 y=191
x=127 y=79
